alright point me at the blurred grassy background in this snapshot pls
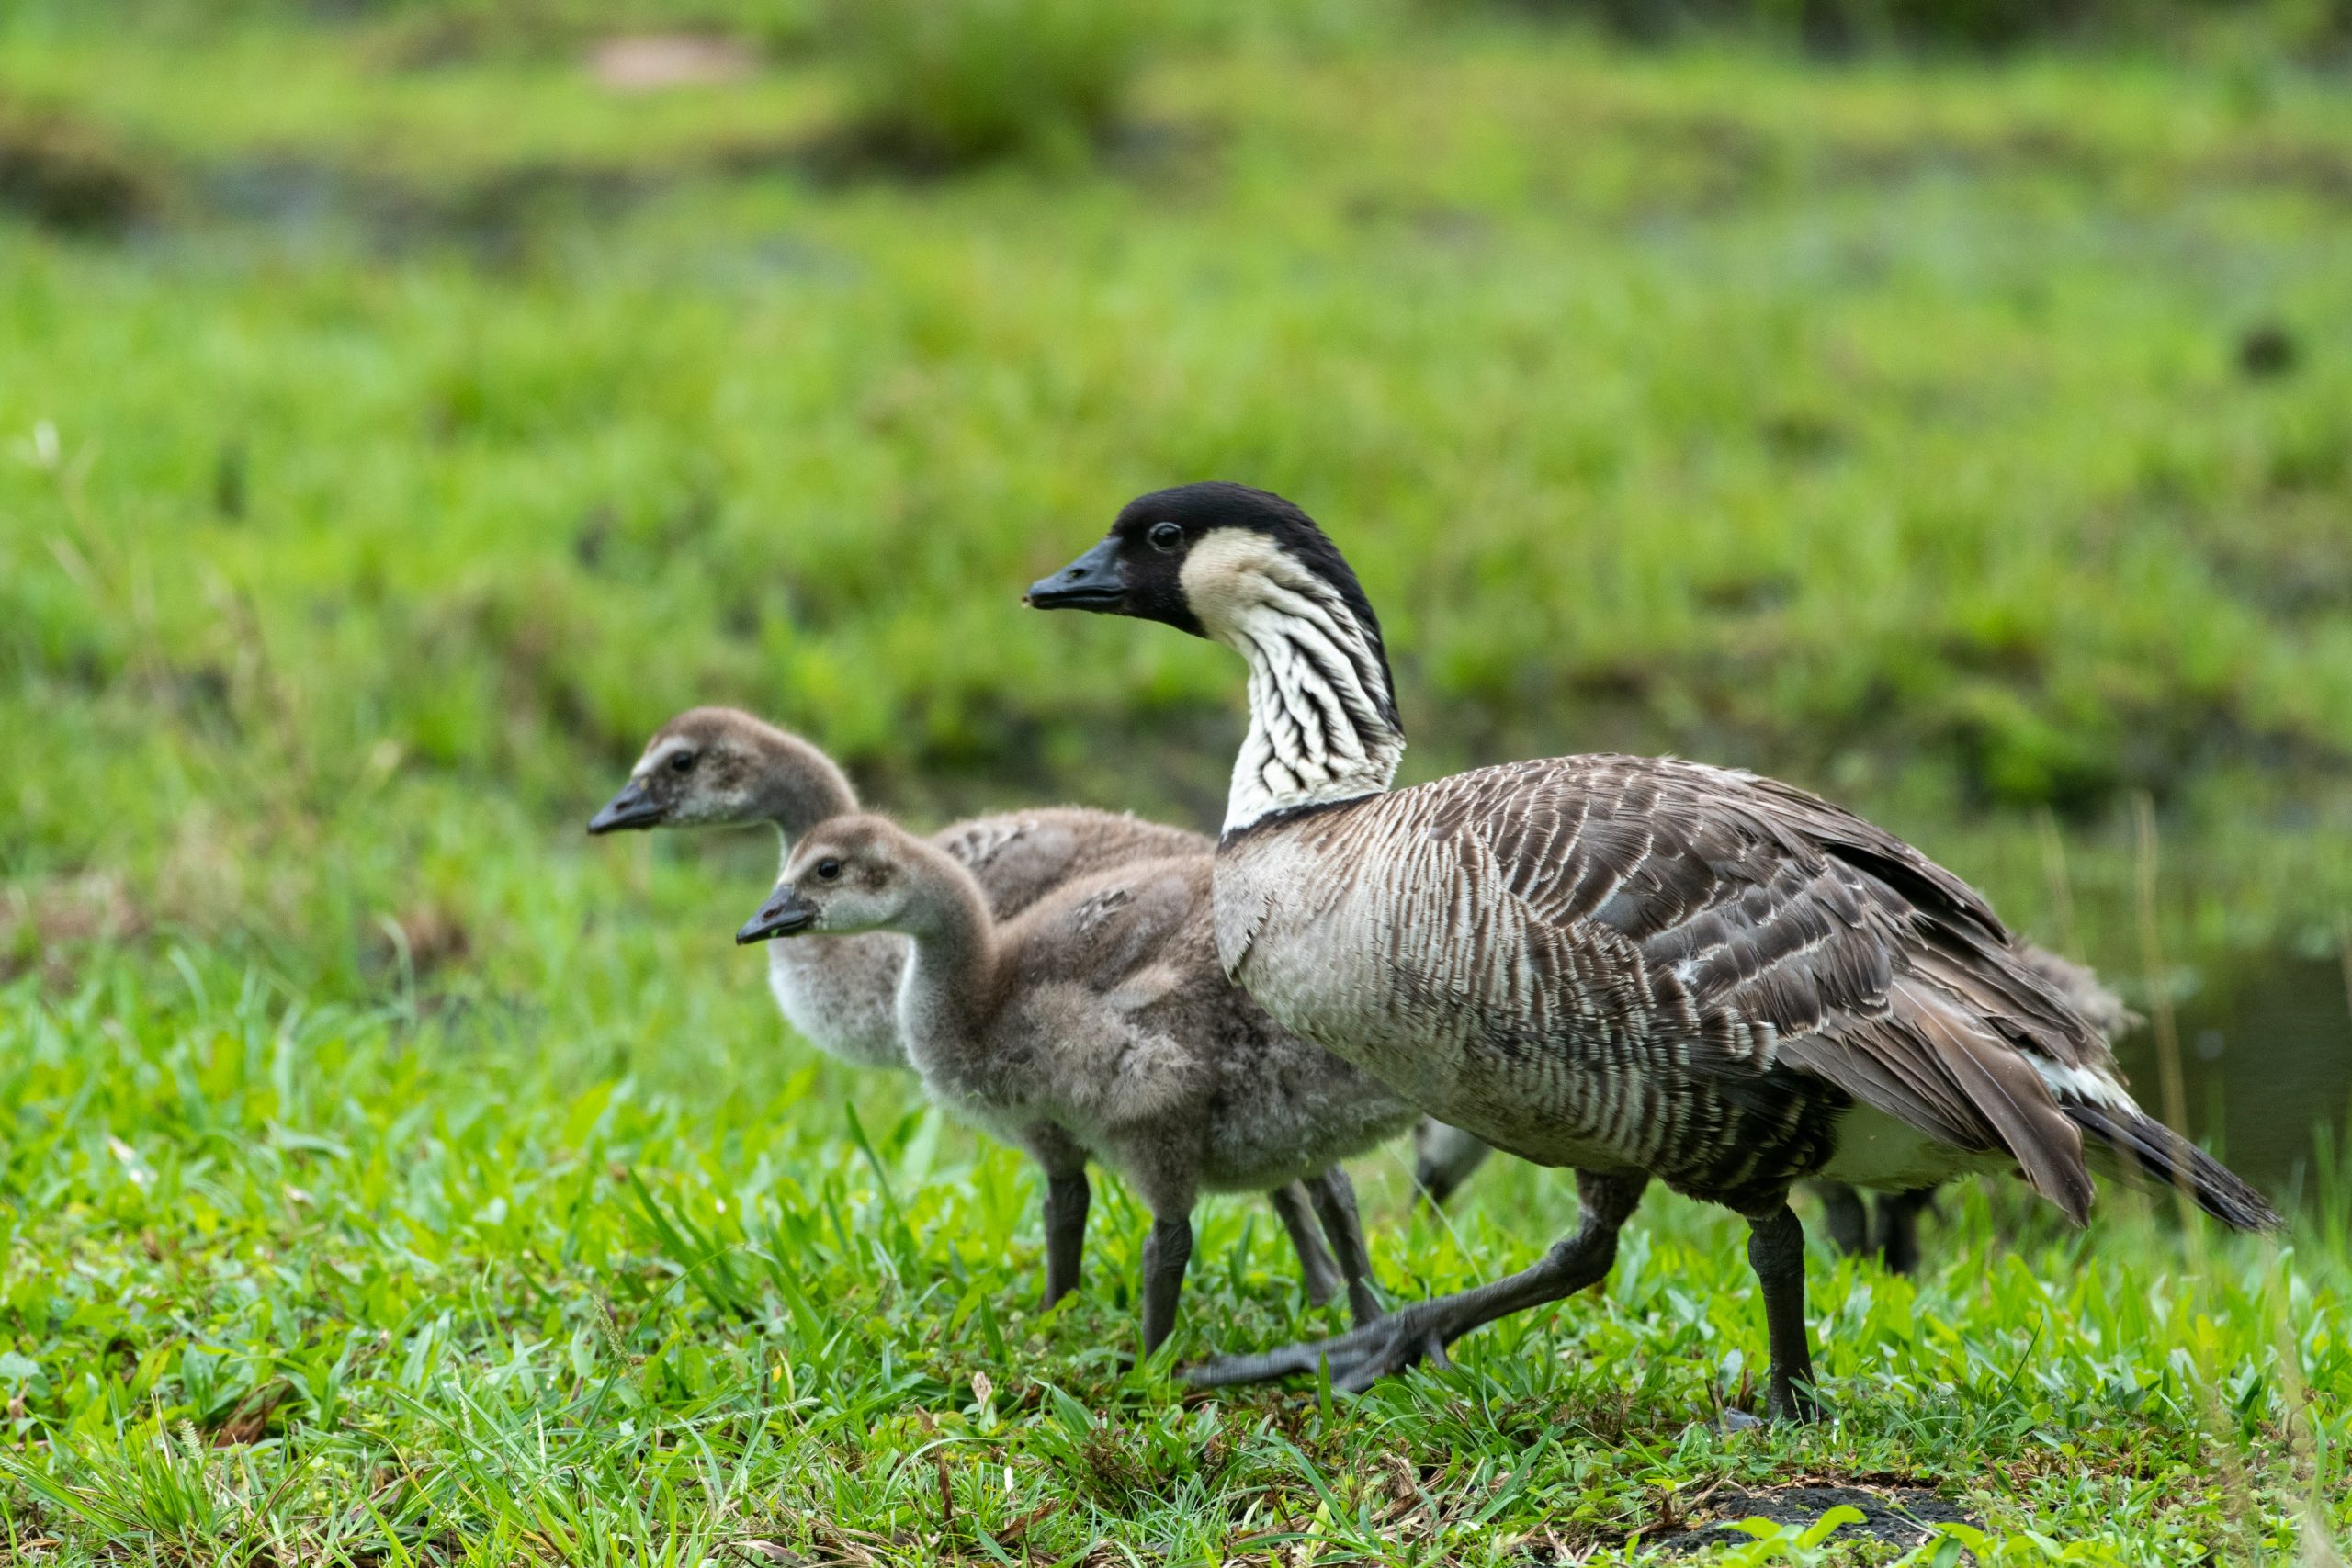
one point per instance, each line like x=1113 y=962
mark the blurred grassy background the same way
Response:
x=404 y=408
x=404 y=415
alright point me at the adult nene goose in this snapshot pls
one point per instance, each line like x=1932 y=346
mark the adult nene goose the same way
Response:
x=1099 y=1016
x=713 y=767
x=1637 y=968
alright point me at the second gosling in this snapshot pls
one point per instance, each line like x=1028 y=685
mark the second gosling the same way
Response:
x=1100 y=1011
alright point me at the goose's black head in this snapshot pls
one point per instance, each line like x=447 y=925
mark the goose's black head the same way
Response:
x=1198 y=557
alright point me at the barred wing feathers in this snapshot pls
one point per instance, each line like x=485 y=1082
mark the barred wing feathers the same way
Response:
x=1740 y=926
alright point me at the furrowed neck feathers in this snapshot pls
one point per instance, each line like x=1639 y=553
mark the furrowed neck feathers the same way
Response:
x=1323 y=724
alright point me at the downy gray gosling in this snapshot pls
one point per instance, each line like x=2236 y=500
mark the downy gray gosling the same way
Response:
x=720 y=767
x=1099 y=1013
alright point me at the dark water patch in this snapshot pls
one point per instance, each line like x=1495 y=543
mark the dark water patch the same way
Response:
x=72 y=177
x=504 y=215
x=2265 y=1050
x=494 y=216
x=1907 y=1516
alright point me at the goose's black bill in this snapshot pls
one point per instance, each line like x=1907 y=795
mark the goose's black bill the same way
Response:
x=631 y=808
x=1092 y=582
x=784 y=913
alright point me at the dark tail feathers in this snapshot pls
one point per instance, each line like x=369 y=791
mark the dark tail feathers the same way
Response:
x=2161 y=1157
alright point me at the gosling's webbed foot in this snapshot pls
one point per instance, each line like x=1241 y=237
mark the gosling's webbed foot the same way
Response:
x=1358 y=1358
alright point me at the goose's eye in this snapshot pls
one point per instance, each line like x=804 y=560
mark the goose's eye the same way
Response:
x=683 y=761
x=828 y=869
x=1166 y=535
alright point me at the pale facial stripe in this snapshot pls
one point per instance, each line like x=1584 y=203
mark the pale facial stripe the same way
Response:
x=658 y=753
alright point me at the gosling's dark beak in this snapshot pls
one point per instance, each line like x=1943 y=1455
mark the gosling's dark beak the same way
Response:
x=631 y=808
x=784 y=913
x=1092 y=582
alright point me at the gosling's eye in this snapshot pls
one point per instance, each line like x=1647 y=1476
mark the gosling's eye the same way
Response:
x=828 y=869
x=683 y=761
x=1166 y=535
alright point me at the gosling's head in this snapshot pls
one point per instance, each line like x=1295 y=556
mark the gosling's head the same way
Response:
x=717 y=767
x=1226 y=562
x=853 y=874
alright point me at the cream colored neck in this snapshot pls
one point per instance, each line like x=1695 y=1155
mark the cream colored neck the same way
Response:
x=1317 y=733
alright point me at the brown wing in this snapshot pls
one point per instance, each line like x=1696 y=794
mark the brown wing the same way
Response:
x=1101 y=930
x=1020 y=857
x=1774 y=930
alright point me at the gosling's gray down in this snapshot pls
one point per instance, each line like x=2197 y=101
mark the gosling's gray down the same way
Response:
x=720 y=767
x=1102 y=1012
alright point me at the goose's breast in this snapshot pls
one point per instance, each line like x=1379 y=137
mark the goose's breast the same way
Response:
x=1320 y=950
x=1430 y=976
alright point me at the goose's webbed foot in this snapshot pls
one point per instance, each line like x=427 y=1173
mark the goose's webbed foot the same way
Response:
x=1358 y=1358
x=1422 y=1331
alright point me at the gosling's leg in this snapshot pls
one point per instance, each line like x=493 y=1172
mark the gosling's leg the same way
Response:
x=1776 y=1251
x=1068 y=1197
x=1424 y=1329
x=1844 y=1218
x=1167 y=1251
x=1335 y=1201
x=1443 y=1159
x=1316 y=1263
x=1896 y=1235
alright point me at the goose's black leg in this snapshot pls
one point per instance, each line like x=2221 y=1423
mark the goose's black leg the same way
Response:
x=1362 y=1357
x=1316 y=1263
x=1068 y=1197
x=1896 y=1235
x=1335 y=1200
x=1776 y=1251
x=1845 y=1216
x=1166 y=1253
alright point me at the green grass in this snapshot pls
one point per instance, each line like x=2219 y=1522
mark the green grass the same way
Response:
x=389 y=1175
x=606 y=1276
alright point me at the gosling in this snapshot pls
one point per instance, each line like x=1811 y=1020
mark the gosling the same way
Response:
x=1101 y=1012
x=720 y=767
